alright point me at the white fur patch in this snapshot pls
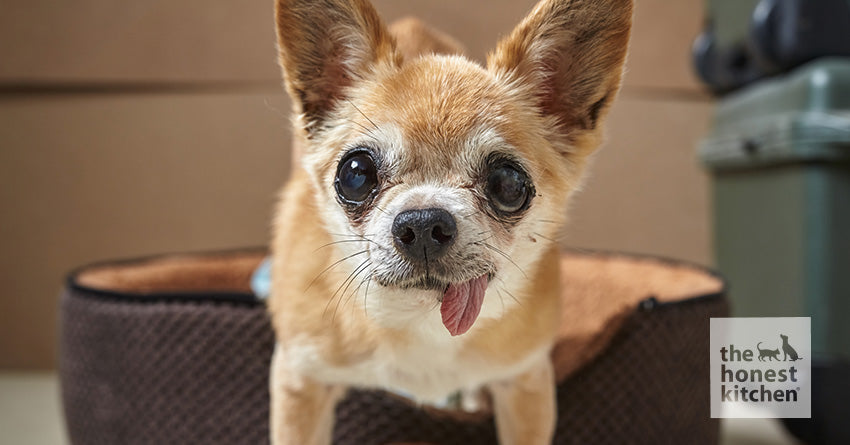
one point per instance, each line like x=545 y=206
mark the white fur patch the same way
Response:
x=428 y=369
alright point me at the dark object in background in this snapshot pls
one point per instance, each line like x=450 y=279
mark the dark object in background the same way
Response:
x=746 y=40
x=830 y=393
x=779 y=155
x=175 y=349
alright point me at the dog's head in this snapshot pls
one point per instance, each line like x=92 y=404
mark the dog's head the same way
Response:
x=445 y=178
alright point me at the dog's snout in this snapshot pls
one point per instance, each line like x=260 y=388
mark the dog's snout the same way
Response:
x=424 y=234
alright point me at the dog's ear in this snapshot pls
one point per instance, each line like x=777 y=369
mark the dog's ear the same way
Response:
x=325 y=47
x=568 y=55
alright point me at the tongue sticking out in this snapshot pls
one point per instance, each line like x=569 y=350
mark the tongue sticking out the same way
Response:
x=462 y=303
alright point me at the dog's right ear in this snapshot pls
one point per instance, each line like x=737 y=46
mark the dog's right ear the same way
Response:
x=325 y=47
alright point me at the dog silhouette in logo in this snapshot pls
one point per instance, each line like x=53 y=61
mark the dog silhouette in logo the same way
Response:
x=772 y=354
x=788 y=350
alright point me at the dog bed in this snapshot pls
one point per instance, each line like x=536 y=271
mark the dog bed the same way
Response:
x=175 y=350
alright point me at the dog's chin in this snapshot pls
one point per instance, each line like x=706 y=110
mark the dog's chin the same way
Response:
x=429 y=282
x=424 y=282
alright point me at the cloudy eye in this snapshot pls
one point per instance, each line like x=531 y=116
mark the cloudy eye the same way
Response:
x=508 y=188
x=356 y=177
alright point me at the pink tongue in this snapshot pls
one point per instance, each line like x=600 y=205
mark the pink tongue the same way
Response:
x=462 y=303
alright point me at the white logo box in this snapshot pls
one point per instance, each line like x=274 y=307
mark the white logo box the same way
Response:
x=761 y=367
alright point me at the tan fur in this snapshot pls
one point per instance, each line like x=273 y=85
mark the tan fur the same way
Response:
x=543 y=96
x=525 y=408
x=414 y=38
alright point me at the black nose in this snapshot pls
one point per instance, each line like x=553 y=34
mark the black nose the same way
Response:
x=424 y=234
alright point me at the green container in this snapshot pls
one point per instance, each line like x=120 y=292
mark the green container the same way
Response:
x=779 y=154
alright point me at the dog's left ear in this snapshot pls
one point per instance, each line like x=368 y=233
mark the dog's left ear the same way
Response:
x=569 y=55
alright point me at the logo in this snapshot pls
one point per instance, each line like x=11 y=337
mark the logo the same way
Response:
x=761 y=367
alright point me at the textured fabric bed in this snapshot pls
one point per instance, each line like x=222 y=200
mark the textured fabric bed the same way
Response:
x=175 y=349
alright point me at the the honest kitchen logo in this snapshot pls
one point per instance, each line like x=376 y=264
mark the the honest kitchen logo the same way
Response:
x=750 y=383
x=760 y=367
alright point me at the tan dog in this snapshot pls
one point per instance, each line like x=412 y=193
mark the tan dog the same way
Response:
x=414 y=251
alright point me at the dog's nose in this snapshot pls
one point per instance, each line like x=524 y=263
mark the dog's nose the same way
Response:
x=424 y=234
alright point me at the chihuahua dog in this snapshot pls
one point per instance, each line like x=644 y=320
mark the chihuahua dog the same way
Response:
x=415 y=247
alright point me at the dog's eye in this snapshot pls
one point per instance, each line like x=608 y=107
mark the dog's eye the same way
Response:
x=357 y=177
x=508 y=188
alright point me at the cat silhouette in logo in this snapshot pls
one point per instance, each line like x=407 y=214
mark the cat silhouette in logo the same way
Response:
x=788 y=350
x=772 y=354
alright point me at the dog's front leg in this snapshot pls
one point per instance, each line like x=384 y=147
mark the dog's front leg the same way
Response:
x=525 y=407
x=302 y=409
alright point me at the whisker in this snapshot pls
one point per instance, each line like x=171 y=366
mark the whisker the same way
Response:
x=333 y=265
x=356 y=235
x=366 y=294
x=582 y=250
x=353 y=276
x=350 y=279
x=362 y=237
x=482 y=240
x=513 y=297
x=545 y=237
x=359 y=285
x=436 y=304
x=366 y=130
x=507 y=257
x=330 y=300
x=504 y=288
x=338 y=242
x=356 y=274
x=271 y=107
x=363 y=114
x=483 y=232
x=501 y=299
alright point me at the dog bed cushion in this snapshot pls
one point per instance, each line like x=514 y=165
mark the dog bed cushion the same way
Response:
x=176 y=349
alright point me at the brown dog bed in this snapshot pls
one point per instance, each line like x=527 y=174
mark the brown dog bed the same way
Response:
x=175 y=350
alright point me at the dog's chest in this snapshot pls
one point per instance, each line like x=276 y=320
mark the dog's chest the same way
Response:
x=427 y=369
x=424 y=368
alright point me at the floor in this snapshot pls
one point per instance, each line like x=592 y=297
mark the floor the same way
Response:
x=30 y=414
x=30 y=411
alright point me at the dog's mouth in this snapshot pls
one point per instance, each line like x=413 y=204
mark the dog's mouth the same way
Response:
x=460 y=301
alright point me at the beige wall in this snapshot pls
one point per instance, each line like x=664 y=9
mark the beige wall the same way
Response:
x=136 y=128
